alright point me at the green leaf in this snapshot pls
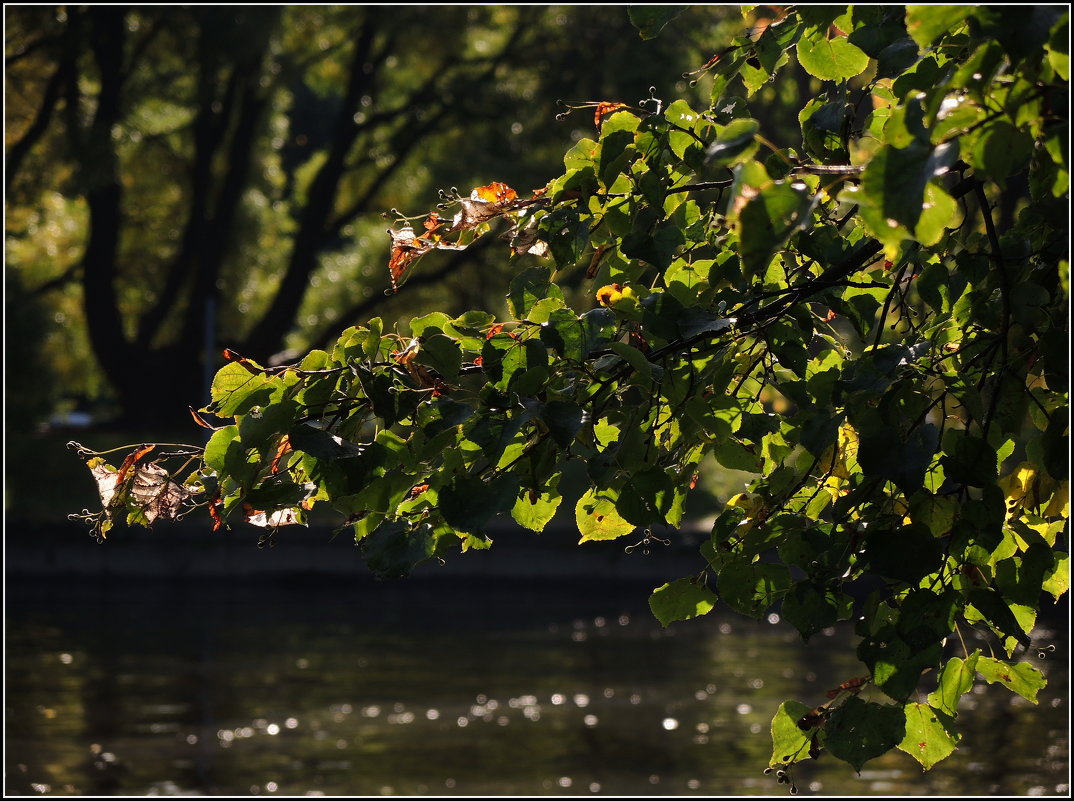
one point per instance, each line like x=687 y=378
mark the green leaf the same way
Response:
x=894 y=182
x=810 y=608
x=927 y=617
x=681 y=600
x=936 y=512
x=393 y=550
x=320 y=444
x=646 y=497
x=564 y=420
x=277 y=493
x=999 y=150
x=969 y=460
x=896 y=666
x=435 y=322
x=597 y=517
x=766 y=222
x=884 y=453
x=650 y=20
x=468 y=503
x=955 y=680
x=528 y=287
x=584 y=153
x=926 y=24
x=565 y=333
x=752 y=589
x=599 y=327
x=442 y=414
x=442 y=354
x=635 y=358
x=825 y=127
x=536 y=515
x=258 y=427
x=217 y=446
x=733 y=455
x=314 y=360
x=695 y=321
x=235 y=390
x=860 y=730
x=930 y=735
x=995 y=608
x=833 y=59
x=1057 y=580
x=789 y=742
x=907 y=554
x=1021 y=677
x=939 y=212
x=735 y=143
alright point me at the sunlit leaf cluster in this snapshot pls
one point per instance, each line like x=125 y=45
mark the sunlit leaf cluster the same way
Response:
x=873 y=322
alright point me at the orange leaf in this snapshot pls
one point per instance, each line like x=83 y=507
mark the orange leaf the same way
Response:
x=281 y=450
x=128 y=464
x=406 y=356
x=494 y=193
x=215 y=513
x=639 y=342
x=604 y=109
x=199 y=419
x=250 y=367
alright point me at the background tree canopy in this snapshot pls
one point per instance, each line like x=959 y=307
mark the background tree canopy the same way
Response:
x=180 y=179
x=868 y=312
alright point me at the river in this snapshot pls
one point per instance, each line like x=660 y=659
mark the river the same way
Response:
x=478 y=687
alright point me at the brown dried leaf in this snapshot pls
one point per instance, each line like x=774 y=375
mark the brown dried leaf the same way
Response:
x=155 y=494
x=105 y=476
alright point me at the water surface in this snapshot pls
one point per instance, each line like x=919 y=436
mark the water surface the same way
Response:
x=448 y=688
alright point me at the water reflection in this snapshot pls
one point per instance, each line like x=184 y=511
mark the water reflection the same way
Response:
x=443 y=690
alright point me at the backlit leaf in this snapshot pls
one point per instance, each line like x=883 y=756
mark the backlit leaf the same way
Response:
x=930 y=735
x=681 y=600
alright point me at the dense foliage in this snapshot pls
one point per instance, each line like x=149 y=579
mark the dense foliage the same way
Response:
x=873 y=322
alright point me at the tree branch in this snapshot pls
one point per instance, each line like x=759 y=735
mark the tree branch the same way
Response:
x=267 y=334
x=22 y=147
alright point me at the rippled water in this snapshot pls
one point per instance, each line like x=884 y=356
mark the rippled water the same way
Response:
x=448 y=689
